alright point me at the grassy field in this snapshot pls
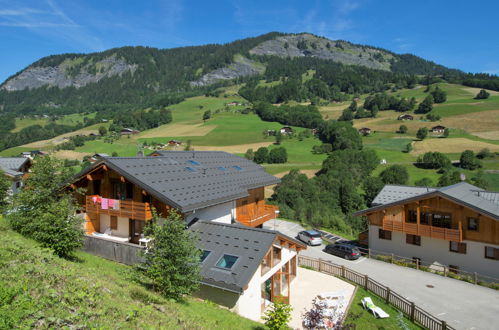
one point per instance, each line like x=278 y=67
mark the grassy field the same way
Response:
x=362 y=319
x=25 y=122
x=40 y=290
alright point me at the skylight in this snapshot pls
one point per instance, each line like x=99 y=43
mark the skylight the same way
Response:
x=237 y=167
x=221 y=168
x=204 y=255
x=193 y=162
x=227 y=261
x=190 y=169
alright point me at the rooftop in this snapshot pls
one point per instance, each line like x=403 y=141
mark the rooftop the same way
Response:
x=12 y=165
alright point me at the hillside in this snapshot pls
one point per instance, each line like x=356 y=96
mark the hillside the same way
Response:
x=131 y=77
x=40 y=290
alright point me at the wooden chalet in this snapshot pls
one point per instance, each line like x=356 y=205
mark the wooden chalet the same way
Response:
x=201 y=185
x=456 y=225
x=406 y=117
x=438 y=129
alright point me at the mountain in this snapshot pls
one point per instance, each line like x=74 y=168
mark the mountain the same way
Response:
x=134 y=77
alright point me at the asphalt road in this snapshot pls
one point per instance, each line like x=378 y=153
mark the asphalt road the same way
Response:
x=462 y=305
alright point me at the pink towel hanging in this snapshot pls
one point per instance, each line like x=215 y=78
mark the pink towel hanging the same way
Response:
x=105 y=203
x=111 y=203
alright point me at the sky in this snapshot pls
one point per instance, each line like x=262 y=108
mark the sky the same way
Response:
x=456 y=33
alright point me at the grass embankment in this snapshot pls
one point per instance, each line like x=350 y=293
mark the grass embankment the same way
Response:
x=39 y=290
x=363 y=319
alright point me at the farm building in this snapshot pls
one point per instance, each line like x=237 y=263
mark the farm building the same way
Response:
x=174 y=143
x=129 y=131
x=365 y=131
x=286 y=130
x=406 y=117
x=456 y=226
x=438 y=129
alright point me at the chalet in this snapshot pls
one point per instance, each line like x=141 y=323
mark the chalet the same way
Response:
x=406 y=117
x=365 y=131
x=174 y=143
x=457 y=225
x=202 y=185
x=129 y=131
x=438 y=129
x=95 y=157
x=32 y=154
x=244 y=268
x=286 y=130
x=15 y=168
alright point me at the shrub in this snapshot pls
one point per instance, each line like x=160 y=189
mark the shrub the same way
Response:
x=278 y=156
x=395 y=174
x=278 y=316
x=422 y=133
x=261 y=155
x=482 y=94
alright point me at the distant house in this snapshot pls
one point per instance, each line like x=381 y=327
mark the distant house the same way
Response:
x=97 y=156
x=315 y=131
x=174 y=143
x=129 y=131
x=15 y=168
x=245 y=269
x=406 y=117
x=234 y=103
x=438 y=129
x=365 y=131
x=286 y=130
x=33 y=153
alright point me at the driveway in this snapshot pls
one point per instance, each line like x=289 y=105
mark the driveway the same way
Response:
x=462 y=305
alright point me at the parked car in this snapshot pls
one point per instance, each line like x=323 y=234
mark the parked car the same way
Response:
x=311 y=237
x=346 y=251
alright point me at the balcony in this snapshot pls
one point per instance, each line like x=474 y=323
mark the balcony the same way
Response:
x=454 y=235
x=258 y=215
x=127 y=209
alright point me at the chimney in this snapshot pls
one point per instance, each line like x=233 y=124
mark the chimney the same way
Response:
x=140 y=153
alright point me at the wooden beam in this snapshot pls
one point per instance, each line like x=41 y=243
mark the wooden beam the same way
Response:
x=122 y=179
x=104 y=167
x=144 y=192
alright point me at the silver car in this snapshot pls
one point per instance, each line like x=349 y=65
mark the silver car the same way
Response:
x=311 y=237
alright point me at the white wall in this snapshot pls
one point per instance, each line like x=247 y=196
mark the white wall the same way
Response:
x=13 y=186
x=123 y=229
x=437 y=250
x=224 y=213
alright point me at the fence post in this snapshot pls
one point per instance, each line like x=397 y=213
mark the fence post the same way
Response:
x=387 y=298
x=320 y=264
x=475 y=275
x=445 y=271
x=413 y=309
x=391 y=260
x=366 y=280
x=444 y=325
x=369 y=253
x=343 y=271
x=417 y=264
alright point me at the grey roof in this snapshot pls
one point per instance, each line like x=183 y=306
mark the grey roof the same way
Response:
x=250 y=245
x=476 y=198
x=190 y=180
x=12 y=165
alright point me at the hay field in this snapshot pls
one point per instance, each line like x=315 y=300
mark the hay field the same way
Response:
x=451 y=145
x=234 y=149
x=69 y=154
x=177 y=130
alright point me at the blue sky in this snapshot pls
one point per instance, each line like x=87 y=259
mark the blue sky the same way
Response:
x=460 y=34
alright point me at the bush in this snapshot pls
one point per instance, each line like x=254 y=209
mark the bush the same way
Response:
x=422 y=133
x=468 y=160
x=433 y=160
x=278 y=156
x=395 y=174
x=172 y=261
x=261 y=155
x=403 y=129
x=278 y=316
x=482 y=94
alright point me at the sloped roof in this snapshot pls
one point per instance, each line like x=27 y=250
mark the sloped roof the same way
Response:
x=11 y=165
x=190 y=180
x=250 y=245
x=463 y=193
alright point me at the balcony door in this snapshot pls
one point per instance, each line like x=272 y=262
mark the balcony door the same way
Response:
x=136 y=230
x=122 y=190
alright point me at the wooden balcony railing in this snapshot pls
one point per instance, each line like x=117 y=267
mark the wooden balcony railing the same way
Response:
x=127 y=208
x=455 y=235
x=258 y=215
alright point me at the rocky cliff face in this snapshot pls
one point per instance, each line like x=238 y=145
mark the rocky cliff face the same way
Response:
x=339 y=51
x=242 y=67
x=66 y=74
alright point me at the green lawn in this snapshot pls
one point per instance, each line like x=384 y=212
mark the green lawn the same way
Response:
x=360 y=318
x=40 y=290
x=25 y=122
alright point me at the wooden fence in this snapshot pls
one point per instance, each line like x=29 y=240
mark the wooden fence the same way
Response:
x=413 y=312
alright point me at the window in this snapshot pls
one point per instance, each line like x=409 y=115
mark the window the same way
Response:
x=413 y=216
x=190 y=169
x=236 y=167
x=204 y=255
x=441 y=220
x=385 y=234
x=473 y=224
x=193 y=162
x=96 y=187
x=18 y=184
x=457 y=247
x=221 y=168
x=227 y=261
x=491 y=253
x=413 y=239
x=114 y=222
x=425 y=218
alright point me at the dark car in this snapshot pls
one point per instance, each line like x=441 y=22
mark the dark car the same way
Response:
x=346 y=251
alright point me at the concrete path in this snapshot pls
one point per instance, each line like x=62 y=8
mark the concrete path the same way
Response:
x=462 y=305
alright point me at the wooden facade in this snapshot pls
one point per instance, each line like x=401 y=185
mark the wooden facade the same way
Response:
x=440 y=218
x=252 y=210
x=136 y=203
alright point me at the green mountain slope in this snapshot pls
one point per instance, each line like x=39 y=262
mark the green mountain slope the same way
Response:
x=39 y=290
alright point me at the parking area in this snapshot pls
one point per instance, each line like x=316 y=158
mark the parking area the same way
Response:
x=478 y=306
